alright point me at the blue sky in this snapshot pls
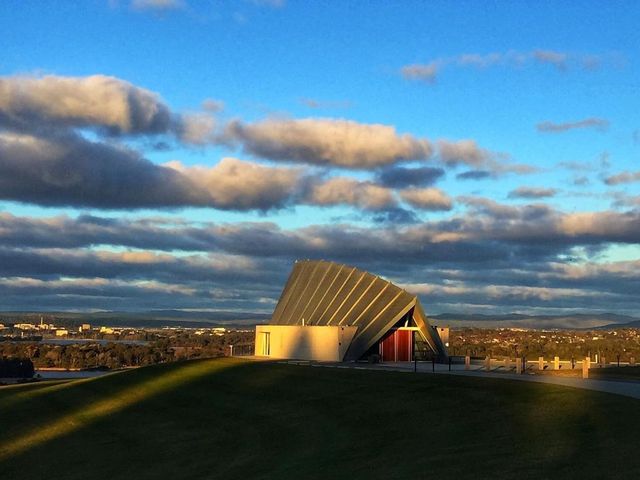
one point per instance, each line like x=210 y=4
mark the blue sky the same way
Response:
x=346 y=127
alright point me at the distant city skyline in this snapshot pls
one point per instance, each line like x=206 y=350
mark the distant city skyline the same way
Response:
x=182 y=154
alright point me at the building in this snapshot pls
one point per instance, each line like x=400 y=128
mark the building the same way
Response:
x=333 y=312
x=24 y=326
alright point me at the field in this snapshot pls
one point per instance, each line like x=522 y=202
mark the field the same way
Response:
x=233 y=419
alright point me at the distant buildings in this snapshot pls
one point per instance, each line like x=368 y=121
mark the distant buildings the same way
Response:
x=25 y=326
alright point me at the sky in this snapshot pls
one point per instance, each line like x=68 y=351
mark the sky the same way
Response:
x=183 y=154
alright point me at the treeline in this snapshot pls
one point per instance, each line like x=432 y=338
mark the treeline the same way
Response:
x=16 y=368
x=119 y=355
x=566 y=345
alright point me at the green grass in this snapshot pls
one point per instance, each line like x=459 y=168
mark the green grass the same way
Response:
x=231 y=419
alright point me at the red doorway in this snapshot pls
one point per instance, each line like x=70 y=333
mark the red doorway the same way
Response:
x=397 y=346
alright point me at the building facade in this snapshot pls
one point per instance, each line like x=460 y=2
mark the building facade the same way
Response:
x=333 y=312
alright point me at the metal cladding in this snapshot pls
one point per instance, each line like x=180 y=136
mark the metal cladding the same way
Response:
x=327 y=293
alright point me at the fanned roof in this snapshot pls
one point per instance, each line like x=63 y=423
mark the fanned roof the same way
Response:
x=326 y=293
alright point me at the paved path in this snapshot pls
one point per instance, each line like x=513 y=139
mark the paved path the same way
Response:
x=626 y=388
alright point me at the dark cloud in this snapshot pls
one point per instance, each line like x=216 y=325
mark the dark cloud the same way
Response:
x=67 y=170
x=397 y=216
x=532 y=192
x=474 y=175
x=401 y=177
x=624 y=177
x=533 y=225
x=526 y=250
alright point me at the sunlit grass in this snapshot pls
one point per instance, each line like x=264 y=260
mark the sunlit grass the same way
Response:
x=88 y=414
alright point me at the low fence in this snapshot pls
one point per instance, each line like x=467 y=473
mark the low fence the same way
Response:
x=243 y=350
x=521 y=365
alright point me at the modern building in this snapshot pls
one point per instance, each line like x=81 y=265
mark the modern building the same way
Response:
x=333 y=312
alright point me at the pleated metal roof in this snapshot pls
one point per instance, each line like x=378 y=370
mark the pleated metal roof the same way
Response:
x=326 y=293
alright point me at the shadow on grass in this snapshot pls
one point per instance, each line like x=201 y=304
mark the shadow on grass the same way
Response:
x=233 y=419
x=179 y=375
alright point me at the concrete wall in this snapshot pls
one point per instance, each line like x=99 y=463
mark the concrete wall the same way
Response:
x=323 y=343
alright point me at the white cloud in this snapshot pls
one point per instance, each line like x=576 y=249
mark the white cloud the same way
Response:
x=323 y=141
x=347 y=191
x=427 y=198
x=96 y=101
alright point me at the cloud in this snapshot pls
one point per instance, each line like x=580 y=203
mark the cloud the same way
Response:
x=480 y=61
x=474 y=175
x=428 y=72
x=324 y=104
x=158 y=5
x=239 y=185
x=342 y=143
x=427 y=198
x=212 y=106
x=486 y=223
x=467 y=152
x=463 y=151
x=532 y=192
x=624 y=177
x=197 y=129
x=524 y=249
x=71 y=171
x=395 y=216
x=400 y=177
x=425 y=73
x=581 y=180
x=347 y=191
x=557 y=59
x=109 y=106
x=116 y=106
x=596 y=123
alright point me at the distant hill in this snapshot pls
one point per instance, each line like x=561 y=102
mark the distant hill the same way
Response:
x=633 y=324
x=575 y=321
x=223 y=318
x=156 y=318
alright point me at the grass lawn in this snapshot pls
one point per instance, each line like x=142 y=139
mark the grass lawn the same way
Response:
x=233 y=419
